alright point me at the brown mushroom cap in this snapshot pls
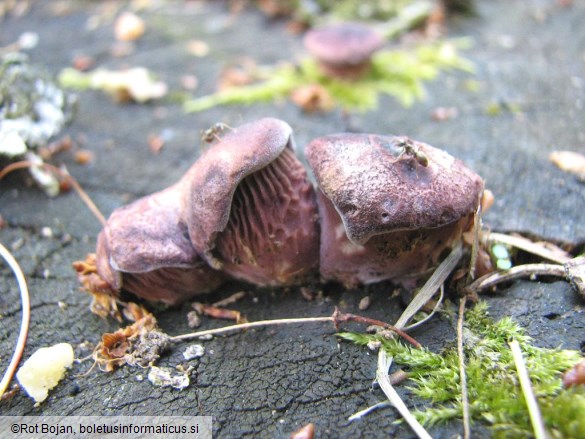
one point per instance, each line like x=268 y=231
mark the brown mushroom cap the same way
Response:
x=345 y=44
x=377 y=190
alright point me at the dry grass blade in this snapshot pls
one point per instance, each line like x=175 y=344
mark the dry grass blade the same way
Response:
x=431 y=286
x=546 y=251
x=525 y=384
x=364 y=412
x=25 y=300
x=433 y=312
x=462 y=372
x=384 y=362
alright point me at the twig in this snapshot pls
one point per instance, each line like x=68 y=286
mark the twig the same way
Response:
x=526 y=385
x=337 y=318
x=25 y=300
x=462 y=372
x=25 y=164
x=493 y=279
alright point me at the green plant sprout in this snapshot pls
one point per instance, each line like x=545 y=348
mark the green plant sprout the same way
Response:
x=399 y=73
x=494 y=392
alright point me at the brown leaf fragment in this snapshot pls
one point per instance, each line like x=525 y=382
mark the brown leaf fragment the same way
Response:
x=103 y=302
x=140 y=343
x=312 y=98
x=114 y=345
x=219 y=313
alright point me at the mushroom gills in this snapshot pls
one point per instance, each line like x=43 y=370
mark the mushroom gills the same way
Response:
x=272 y=235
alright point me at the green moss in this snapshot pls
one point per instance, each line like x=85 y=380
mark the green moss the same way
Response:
x=398 y=73
x=494 y=394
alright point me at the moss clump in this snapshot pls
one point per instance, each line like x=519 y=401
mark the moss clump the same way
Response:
x=398 y=73
x=494 y=391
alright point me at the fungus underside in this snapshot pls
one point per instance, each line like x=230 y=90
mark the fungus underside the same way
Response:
x=400 y=73
x=494 y=393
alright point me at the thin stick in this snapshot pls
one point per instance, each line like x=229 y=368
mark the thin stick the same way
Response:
x=337 y=318
x=25 y=300
x=519 y=271
x=242 y=326
x=526 y=385
x=25 y=164
x=462 y=372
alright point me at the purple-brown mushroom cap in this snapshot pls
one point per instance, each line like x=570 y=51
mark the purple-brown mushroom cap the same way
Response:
x=383 y=213
x=376 y=191
x=338 y=47
x=251 y=209
x=145 y=249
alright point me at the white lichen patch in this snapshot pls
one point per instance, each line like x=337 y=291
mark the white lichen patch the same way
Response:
x=44 y=369
x=193 y=351
x=162 y=377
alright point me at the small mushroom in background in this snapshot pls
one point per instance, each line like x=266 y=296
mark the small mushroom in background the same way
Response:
x=389 y=206
x=252 y=210
x=343 y=50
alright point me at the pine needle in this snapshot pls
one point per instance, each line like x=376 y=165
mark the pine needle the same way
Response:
x=25 y=301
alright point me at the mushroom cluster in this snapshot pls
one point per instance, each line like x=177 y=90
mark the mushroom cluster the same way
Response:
x=383 y=208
